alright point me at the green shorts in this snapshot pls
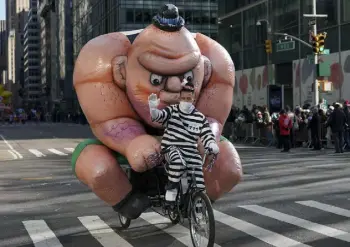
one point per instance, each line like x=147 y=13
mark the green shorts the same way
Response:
x=120 y=158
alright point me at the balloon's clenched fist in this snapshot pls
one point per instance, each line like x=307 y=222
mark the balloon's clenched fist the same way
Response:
x=119 y=84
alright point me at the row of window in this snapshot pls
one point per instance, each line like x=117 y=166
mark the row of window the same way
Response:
x=256 y=56
x=241 y=32
x=33 y=64
x=34 y=88
x=140 y=16
x=33 y=82
x=91 y=25
x=32 y=41
x=112 y=3
x=34 y=72
x=191 y=17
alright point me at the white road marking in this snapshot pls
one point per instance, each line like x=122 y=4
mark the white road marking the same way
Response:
x=102 y=232
x=41 y=234
x=18 y=154
x=13 y=154
x=326 y=208
x=69 y=149
x=264 y=235
x=10 y=147
x=55 y=151
x=180 y=233
x=325 y=230
x=36 y=152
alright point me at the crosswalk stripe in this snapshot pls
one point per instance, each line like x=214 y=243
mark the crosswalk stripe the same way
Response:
x=41 y=234
x=69 y=149
x=326 y=208
x=13 y=154
x=180 y=233
x=18 y=154
x=102 y=232
x=264 y=235
x=36 y=152
x=325 y=230
x=55 y=151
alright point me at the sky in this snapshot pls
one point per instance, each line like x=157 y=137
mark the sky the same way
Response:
x=2 y=10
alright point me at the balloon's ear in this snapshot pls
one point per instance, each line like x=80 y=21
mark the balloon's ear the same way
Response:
x=207 y=70
x=119 y=70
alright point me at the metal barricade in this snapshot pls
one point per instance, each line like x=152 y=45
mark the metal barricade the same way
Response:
x=252 y=133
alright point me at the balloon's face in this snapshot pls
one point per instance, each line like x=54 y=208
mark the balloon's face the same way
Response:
x=159 y=62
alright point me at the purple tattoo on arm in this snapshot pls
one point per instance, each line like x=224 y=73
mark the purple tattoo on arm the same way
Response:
x=124 y=130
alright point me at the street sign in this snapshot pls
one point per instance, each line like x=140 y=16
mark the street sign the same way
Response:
x=325 y=52
x=285 y=46
x=311 y=59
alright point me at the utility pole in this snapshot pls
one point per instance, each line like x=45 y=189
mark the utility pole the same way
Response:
x=315 y=57
x=314 y=15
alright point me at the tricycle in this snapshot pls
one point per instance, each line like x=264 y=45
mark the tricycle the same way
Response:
x=191 y=202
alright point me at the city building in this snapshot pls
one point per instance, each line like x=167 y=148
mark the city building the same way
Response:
x=49 y=60
x=16 y=17
x=3 y=51
x=65 y=55
x=32 y=83
x=11 y=60
x=94 y=18
x=245 y=41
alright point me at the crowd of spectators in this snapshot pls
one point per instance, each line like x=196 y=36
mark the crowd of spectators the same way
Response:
x=323 y=125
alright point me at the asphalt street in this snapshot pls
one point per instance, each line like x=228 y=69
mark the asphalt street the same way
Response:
x=295 y=199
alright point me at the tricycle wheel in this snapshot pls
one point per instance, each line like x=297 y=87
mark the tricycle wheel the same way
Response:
x=125 y=222
x=174 y=216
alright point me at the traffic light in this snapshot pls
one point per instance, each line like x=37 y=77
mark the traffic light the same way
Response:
x=318 y=42
x=268 y=46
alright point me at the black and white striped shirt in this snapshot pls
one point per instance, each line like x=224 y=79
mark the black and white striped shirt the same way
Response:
x=183 y=129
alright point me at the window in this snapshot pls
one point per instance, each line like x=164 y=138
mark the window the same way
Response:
x=147 y=18
x=345 y=42
x=138 y=16
x=213 y=17
x=346 y=11
x=197 y=17
x=130 y=16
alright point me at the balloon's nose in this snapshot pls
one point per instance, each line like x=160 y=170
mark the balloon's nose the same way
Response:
x=173 y=84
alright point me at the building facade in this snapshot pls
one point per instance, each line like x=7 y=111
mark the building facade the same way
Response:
x=3 y=51
x=245 y=41
x=16 y=17
x=11 y=64
x=65 y=54
x=94 y=18
x=49 y=61
x=32 y=84
x=11 y=59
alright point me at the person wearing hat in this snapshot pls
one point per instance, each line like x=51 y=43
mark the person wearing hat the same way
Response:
x=337 y=122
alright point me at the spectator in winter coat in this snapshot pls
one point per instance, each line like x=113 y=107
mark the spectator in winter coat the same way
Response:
x=347 y=125
x=337 y=122
x=285 y=125
x=315 y=126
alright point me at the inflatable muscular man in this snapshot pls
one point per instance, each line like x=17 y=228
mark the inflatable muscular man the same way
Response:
x=113 y=79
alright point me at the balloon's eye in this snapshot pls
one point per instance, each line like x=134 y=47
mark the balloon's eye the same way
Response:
x=156 y=80
x=188 y=76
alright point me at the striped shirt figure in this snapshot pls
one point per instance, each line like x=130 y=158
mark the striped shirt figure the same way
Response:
x=184 y=125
